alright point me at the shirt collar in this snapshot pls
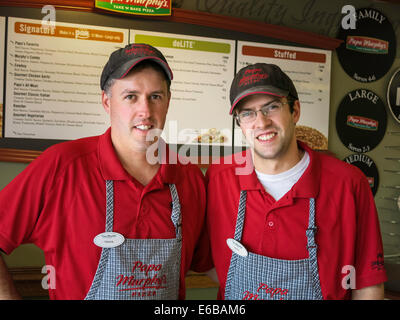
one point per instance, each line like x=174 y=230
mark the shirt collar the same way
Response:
x=309 y=183
x=112 y=169
x=306 y=187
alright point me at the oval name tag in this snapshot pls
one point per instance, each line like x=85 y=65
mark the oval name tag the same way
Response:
x=109 y=239
x=237 y=247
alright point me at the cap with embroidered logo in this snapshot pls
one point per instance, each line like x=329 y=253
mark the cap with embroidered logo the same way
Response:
x=260 y=78
x=124 y=59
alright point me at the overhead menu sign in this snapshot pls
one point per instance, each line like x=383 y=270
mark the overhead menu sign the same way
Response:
x=310 y=71
x=141 y=7
x=203 y=69
x=53 y=73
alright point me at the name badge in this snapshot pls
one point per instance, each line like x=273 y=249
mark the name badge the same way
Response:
x=109 y=239
x=237 y=247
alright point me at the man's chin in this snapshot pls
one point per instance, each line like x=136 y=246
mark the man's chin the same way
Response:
x=264 y=153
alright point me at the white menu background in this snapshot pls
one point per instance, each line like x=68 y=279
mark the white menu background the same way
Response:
x=203 y=69
x=53 y=76
x=310 y=71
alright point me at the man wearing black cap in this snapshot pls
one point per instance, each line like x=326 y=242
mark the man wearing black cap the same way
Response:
x=286 y=222
x=114 y=220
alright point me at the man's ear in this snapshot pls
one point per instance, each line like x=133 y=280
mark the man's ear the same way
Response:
x=106 y=101
x=169 y=98
x=296 y=111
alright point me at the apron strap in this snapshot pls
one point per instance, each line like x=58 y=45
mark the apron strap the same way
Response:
x=238 y=237
x=312 y=229
x=312 y=251
x=240 y=215
x=109 y=205
x=176 y=216
x=105 y=252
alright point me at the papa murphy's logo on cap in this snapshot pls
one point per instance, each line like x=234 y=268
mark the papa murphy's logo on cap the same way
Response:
x=362 y=123
x=367 y=44
x=140 y=51
x=252 y=76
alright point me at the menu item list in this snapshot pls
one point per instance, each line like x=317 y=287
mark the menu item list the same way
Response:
x=203 y=69
x=53 y=77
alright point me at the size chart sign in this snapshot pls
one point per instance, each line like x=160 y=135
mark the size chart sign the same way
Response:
x=361 y=120
x=53 y=73
x=203 y=69
x=369 y=49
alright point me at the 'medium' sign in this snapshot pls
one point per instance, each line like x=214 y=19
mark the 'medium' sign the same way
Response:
x=143 y=7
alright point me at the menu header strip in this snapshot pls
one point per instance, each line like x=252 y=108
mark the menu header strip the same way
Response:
x=68 y=32
x=185 y=44
x=278 y=53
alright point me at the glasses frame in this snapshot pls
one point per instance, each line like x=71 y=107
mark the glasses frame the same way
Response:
x=236 y=116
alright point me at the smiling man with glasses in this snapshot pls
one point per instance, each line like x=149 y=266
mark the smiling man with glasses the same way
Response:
x=300 y=224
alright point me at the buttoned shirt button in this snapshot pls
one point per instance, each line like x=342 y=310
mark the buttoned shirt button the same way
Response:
x=270 y=224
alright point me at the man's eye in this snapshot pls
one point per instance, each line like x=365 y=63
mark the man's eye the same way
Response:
x=129 y=97
x=272 y=107
x=156 y=96
x=245 y=114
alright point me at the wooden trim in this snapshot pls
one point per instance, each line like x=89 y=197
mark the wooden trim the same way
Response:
x=18 y=155
x=28 y=282
x=83 y=5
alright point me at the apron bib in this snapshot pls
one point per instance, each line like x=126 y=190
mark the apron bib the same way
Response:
x=139 y=269
x=256 y=277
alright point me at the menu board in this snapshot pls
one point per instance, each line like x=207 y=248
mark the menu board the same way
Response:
x=309 y=70
x=53 y=76
x=2 y=45
x=203 y=69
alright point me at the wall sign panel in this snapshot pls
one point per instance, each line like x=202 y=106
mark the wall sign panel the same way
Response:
x=53 y=74
x=203 y=69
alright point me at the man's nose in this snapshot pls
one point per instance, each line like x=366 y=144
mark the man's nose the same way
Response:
x=262 y=120
x=144 y=107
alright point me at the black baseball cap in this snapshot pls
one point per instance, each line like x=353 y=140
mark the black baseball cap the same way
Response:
x=261 y=78
x=124 y=59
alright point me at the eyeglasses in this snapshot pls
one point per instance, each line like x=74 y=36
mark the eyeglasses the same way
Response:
x=247 y=116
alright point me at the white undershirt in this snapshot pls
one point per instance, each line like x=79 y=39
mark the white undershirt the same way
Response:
x=278 y=184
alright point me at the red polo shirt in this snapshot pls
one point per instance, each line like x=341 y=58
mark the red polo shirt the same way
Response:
x=59 y=203
x=346 y=217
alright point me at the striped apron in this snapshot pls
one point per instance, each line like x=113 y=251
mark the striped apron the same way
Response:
x=256 y=277
x=139 y=269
